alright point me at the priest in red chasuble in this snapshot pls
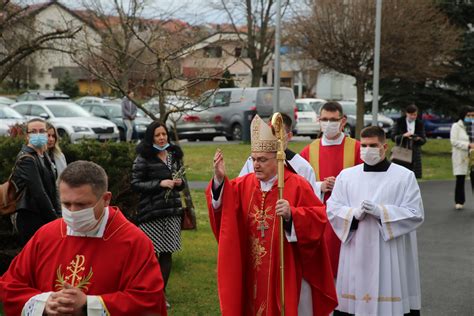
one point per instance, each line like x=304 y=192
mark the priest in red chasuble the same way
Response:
x=244 y=215
x=328 y=156
x=93 y=261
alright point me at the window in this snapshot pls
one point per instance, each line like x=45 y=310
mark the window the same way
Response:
x=98 y=111
x=22 y=108
x=213 y=52
x=222 y=99
x=37 y=110
x=241 y=52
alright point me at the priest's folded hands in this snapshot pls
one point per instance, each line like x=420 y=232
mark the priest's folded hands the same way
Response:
x=372 y=208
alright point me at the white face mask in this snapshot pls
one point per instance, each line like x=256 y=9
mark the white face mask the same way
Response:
x=370 y=155
x=330 y=129
x=81 y=221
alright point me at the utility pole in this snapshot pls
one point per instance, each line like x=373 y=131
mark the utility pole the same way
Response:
x=276 y=79
x=378 y=27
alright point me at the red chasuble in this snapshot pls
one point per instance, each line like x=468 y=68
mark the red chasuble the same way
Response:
x=332 y=160
x=247 y=232
x=120 y=267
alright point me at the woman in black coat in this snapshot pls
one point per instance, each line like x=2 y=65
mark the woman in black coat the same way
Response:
x=409 y=131
x=34 y=175
x=156 y=176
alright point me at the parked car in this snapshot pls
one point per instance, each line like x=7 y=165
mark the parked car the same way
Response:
x=6 y=101
x=112 y=111
x=192 y=121
x=437 y=125
x=350 y=110
x=33 y=95
x=8 y=118
x=307 y=118
x=90 y=100
x=231 y=103
x=71 y=121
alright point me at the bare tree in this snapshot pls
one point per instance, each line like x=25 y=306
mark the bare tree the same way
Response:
x=20 y=36
x=253 y=21
x=417 y=40
x=140 y=53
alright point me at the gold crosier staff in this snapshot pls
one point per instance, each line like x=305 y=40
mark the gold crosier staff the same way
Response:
x=279 y=132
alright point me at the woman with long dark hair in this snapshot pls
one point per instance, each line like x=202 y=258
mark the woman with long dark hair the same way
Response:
x=157 y=176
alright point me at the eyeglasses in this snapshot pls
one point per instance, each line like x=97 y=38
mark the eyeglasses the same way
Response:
x=330 y=120
x=261 y=160
x=34 y=131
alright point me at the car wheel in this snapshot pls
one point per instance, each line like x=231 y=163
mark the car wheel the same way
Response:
x=64 y=136
x=236 y=132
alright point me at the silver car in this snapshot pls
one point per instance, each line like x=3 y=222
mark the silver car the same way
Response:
x=70 y=120
x=8 y=118
x=350 y=110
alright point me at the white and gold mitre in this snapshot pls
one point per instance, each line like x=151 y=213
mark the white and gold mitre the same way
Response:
x=262 y=138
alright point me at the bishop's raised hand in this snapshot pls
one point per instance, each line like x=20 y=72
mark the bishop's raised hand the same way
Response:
x=219 y=166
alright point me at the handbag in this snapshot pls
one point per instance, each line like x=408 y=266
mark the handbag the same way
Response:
x=188 y=221
x=402 y=153
x=9 y=193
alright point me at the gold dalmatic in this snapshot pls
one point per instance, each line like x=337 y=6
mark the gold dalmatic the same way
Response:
x=74 y=274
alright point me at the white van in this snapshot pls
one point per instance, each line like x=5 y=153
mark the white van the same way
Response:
x=231 y=103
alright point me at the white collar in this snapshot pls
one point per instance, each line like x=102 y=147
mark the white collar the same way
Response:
x=266 y=186
x=332 y=142
x=98 y=232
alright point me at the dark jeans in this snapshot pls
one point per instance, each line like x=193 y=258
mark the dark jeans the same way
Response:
x=459 y=193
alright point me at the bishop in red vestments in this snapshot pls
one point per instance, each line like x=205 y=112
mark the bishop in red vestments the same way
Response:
x=244 y=215
x=328 y=156
x=93 y=258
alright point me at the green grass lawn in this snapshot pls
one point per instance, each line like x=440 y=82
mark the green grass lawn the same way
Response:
x=192 y=288
x=436 y=159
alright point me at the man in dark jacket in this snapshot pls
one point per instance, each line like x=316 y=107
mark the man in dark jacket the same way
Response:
x=409 y=132
x=34 y=176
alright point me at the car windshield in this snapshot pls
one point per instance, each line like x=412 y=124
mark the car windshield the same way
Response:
x=68 y=110
x=8 y=113
x=349 y=108
x=304 y=107
x=113 y=110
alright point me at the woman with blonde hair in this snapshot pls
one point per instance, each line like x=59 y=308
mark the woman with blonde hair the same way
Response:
x=54 y=151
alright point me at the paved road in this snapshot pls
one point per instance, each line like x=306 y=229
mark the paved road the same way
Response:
x=446 y=251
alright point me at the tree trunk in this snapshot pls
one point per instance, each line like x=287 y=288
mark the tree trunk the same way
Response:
x=360 y=84
x=257 y=72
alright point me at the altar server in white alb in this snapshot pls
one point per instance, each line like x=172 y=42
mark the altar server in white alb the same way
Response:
x=375 y=208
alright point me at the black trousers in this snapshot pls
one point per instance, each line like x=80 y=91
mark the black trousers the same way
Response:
x=28 y=223
x=411 y=313
x=459 y=192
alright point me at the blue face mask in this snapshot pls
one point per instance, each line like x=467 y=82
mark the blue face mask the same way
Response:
x=468 y=120
x=159 y=148
x=38 y=140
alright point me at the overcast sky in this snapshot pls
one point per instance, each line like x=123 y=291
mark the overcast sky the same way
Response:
x=193 y=11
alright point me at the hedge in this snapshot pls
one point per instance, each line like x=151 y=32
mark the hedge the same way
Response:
x=115 y=158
